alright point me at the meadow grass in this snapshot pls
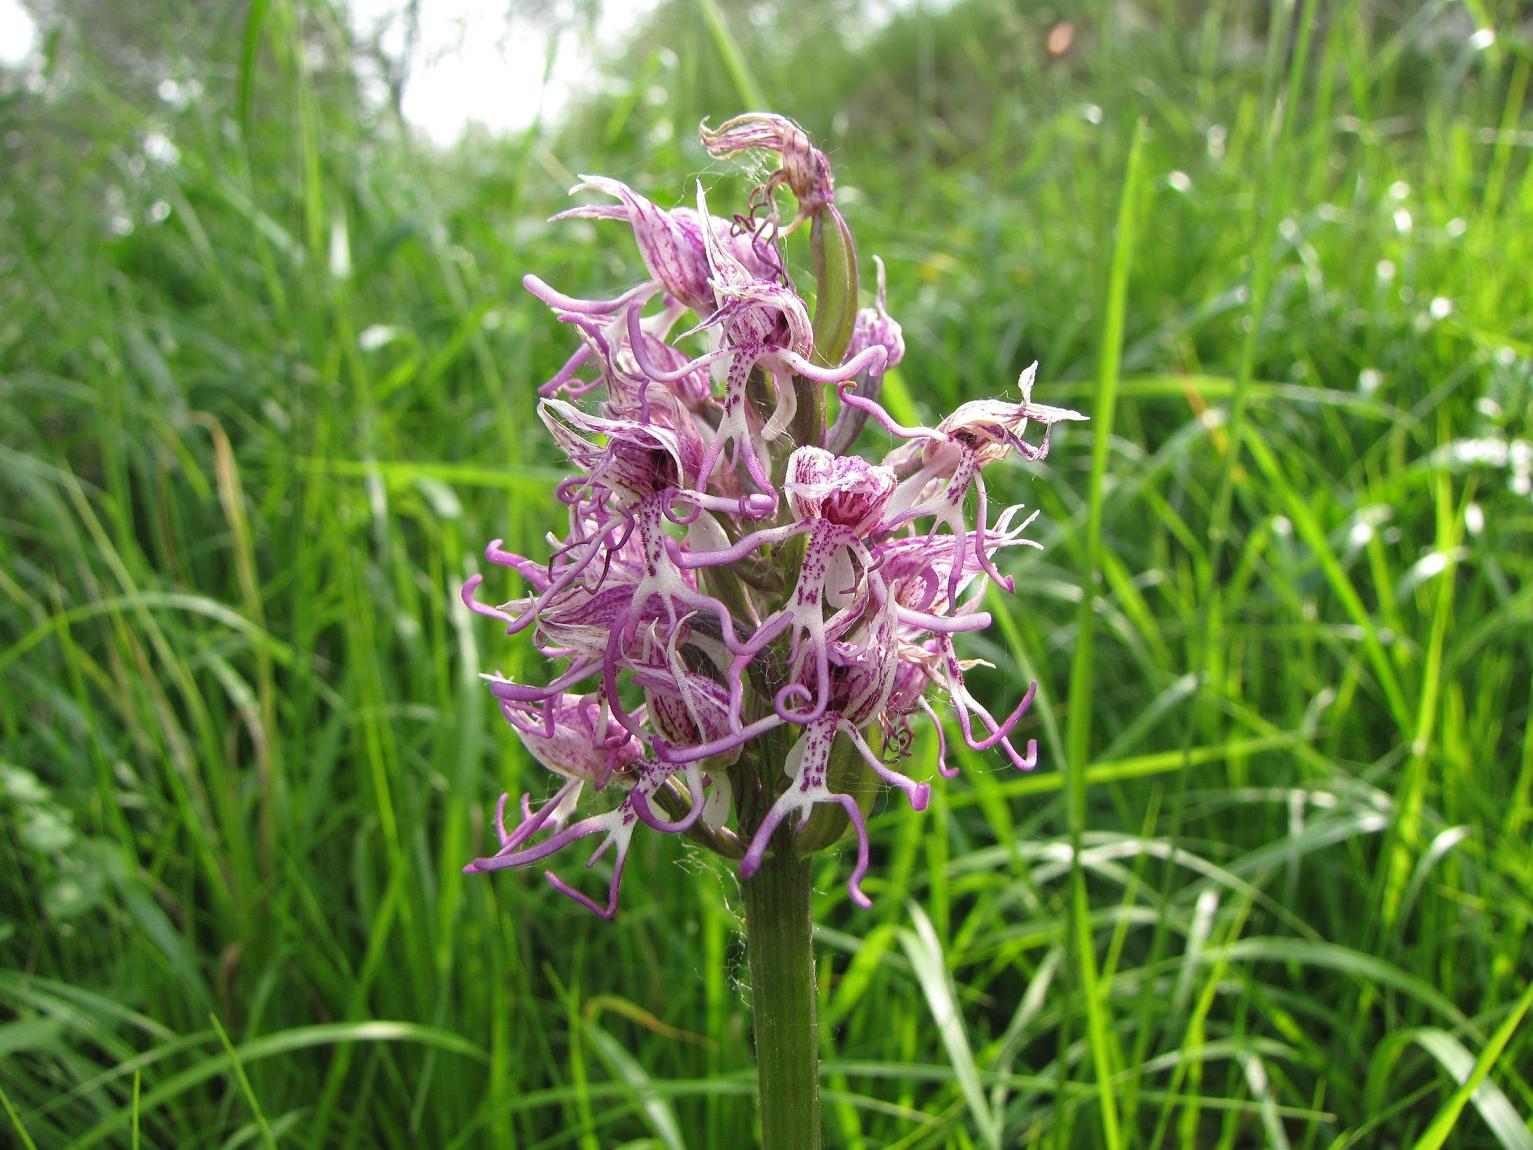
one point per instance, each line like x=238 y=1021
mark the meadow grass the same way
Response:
x=263 y=401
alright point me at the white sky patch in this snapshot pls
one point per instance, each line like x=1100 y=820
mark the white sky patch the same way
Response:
x=18 y=34
x=474 y=64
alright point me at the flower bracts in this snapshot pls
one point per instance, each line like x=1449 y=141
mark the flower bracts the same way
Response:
x=738 y=610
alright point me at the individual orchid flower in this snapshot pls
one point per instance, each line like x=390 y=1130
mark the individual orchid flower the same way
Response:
x=743 y=616
x=615 y=826
x=947 y=463
x=831 y=498
x=673 y=246
x=863 y=674
x=805 y=170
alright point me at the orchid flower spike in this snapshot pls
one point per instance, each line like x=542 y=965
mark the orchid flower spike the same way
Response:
x=741 y=628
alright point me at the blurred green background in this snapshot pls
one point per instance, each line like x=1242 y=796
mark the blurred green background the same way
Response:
x=267 y=386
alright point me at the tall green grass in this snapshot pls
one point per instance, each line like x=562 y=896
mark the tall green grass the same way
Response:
x=260 y=406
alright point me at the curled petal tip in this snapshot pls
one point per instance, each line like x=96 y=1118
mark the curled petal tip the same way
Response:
x=596 y=908
x=1030 y=760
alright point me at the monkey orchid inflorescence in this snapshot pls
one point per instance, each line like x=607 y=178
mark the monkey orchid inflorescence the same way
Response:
x=745 y=617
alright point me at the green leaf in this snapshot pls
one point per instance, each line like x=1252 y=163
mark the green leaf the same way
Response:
x=656 y=1109
x=925 y=953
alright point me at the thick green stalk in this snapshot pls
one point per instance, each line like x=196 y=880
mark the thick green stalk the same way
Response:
x=777 y=923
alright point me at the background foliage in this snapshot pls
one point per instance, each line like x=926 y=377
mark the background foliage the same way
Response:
x=267 y=384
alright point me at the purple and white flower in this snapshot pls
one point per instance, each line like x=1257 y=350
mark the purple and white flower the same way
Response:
x=735 y=619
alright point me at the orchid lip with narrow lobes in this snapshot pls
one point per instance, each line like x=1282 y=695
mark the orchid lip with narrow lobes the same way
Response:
x=730 y=616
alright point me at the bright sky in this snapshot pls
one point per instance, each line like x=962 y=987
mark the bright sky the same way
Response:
x=474 y=64
x=18 y=34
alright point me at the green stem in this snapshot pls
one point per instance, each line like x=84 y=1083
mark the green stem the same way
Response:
x=778 y=917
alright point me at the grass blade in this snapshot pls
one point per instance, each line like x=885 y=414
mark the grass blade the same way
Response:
x=746 y=88
x=1082 y=669
x=1474 y=1085
x=656 y=1109
x=246 y=1089
x=925 y=952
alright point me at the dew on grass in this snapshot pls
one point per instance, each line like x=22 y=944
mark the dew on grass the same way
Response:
x=160 y=150
x=21 y=786
x=276 y=414
x=378 y=335
x=1430 y=566
x=1216 y=136
x=1474 y=519
x=47 y=830
x=1318 y=706
x=67 y=898
x=1481 y=452
x=1520 y=455
x=1366 y=524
